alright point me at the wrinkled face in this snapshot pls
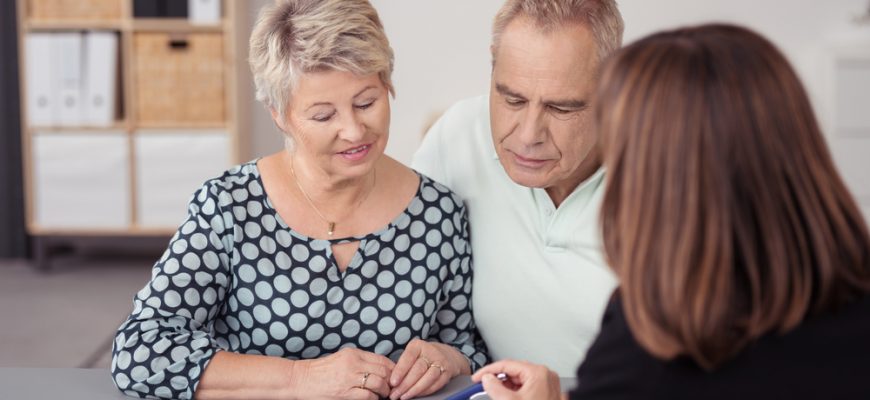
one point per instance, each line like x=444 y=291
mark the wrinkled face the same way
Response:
x=539 y=104
x=339 y=122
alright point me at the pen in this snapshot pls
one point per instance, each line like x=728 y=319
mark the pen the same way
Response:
x=474 y=390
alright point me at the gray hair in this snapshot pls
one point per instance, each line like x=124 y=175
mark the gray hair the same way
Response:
x=602 y=17
x=292 y=37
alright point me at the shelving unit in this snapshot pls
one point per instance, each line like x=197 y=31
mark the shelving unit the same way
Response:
x=134 y=176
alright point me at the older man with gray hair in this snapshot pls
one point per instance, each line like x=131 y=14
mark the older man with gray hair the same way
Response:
x=526 y=159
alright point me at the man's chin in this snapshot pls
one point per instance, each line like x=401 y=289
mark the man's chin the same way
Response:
x=524 y=176
x=528 y=180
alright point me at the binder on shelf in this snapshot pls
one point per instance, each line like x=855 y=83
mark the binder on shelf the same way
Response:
x=42 y=103
x=175 y=8
x=160 y=8
x=100 y=78
x=145 y=8
x=67 y=71
x=204 y=12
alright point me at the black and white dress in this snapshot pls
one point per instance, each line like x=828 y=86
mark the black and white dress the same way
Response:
x=235 y=277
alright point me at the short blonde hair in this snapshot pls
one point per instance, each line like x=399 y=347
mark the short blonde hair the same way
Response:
x=602 y=17
x=292 y=37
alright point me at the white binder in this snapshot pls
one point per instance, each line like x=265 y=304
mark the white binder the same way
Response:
x=67 y=70
x=204 y=12
x=42 y=102
x=100 y=78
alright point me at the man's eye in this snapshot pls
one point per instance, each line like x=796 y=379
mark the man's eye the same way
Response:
x=558 y=110
x=514 y=102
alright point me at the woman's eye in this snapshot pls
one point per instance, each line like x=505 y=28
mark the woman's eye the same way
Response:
x=323 y=117
x=365 y=106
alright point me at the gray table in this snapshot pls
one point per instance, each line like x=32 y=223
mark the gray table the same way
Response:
x=95 y=384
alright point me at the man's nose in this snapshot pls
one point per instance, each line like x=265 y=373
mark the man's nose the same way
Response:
x=532 y=128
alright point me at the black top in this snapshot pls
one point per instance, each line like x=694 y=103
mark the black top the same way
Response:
x=236 y=277
x=826 y=357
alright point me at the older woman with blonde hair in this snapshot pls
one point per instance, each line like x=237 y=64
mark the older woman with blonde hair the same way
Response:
x=328 y=270
x=743 y=260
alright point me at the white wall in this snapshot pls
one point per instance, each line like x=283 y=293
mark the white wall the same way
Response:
x=263 y=135
x=803 y=29
x=442 y=56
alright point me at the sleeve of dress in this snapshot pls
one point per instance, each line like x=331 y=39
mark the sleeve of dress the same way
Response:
x=454 y=322
x=165 y=344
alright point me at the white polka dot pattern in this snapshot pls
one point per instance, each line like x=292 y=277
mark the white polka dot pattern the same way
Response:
x=235 y=277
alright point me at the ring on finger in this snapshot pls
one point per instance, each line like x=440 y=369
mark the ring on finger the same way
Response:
x=436 y=365
x=365 y=379
x=426 y=360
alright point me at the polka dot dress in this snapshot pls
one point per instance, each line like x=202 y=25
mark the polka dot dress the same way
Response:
x=235 y=277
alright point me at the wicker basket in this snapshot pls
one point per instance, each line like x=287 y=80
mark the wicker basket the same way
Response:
x=100 y=10
x=179 y=78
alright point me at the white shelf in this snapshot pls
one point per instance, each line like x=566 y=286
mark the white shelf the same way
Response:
x=127 y=178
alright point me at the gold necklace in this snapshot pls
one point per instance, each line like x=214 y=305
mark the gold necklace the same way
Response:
x=330 y=224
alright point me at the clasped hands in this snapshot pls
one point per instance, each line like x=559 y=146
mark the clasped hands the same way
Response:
x=423 y=368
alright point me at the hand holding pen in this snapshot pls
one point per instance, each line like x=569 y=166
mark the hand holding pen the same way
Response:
x=522 y=380
x=476 y=390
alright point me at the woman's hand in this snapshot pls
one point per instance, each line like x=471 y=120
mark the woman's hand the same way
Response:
x=524 y=381
x=425 y=367
x=346 y=374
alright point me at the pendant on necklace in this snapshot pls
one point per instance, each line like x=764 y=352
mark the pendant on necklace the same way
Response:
x=331 y=229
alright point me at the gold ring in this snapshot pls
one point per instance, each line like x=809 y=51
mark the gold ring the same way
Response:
x=436 y=365
x=426 y=360
x=365 y=379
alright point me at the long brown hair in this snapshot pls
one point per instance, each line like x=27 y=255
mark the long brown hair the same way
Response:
x=724 y=217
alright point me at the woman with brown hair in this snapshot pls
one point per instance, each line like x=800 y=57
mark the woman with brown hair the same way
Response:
x=744 y=262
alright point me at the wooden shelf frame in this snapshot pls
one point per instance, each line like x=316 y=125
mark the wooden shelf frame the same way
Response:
x=71 y=25
x=175 y=25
